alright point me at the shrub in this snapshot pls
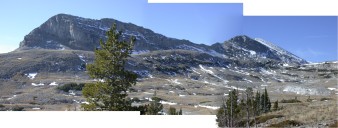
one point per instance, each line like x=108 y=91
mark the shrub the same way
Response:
x=33 y=103
x=265 y=118
x=287 y=123
x=71 y=86
x=2 y=106
x=17 y=108
x=135 y=99
x=290 y=101
x=322 y=99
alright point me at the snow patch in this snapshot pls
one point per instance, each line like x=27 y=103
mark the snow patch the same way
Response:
x=53 y=84
x=81 y=58
x=252 y=52
x=333 y=89
x=169 y=103
x=209 y=107
x=180 y=95
x=40 y=84
x=174 y=81
x=206 y=70
x=31 y=75
x=301 y=90
x=11 y=97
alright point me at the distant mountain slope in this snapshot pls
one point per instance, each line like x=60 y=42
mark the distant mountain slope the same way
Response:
x=62 y=32
x=66 y=43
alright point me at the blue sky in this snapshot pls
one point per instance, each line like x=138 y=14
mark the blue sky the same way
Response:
x=312 y=38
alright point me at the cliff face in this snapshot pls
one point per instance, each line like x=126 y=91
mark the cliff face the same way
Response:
x=70 y=32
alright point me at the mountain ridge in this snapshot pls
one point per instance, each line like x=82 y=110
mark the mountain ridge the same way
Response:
x=65 y=31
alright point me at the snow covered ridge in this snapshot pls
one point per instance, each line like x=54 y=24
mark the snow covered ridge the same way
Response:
x=279 y=50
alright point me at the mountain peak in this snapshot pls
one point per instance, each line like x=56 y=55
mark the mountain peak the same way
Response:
x=68 y=32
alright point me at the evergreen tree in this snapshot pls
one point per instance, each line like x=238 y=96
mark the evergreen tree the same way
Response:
x=275 y=105
x=233 y=108
x=221 y=115
x=257 y=104
x=267 y=101
x=154 y=107
x=180 y=112
x=110 y=91
x=172 y=111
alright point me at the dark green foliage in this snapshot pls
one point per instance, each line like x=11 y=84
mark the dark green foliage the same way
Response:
x=180 y=112
x=275 y=105
x=309 y=99
x=265 y=102
x=287 y=123
x=110 y=92
x=290 y=101
x=221 y=119
x=323 y=99
x=233 y=108
x=17 y=108
x=2 y=106
x=154 y=107
x=135 y=99
x=204 y=102
x=262 y=119
x=257 y=104
x=71 y=86
x=238 y=114
x=172 y=111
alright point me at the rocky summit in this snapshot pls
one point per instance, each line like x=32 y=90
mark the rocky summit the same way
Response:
x=191 y=76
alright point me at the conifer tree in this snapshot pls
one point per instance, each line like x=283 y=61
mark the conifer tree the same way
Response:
x=267 y=101
x=257 y=104
x=154 y=107
x=110 y=91
x=275 y=105
x=221 y=117
x=180 y=112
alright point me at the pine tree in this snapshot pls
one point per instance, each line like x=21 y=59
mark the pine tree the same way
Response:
x=180 y=112
x=267 y=101
x=154 y=107
x=275 y=105
x=110 y=91
x=257 y=104
x=172 y=111
x=221 y=115
x=232 y=108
